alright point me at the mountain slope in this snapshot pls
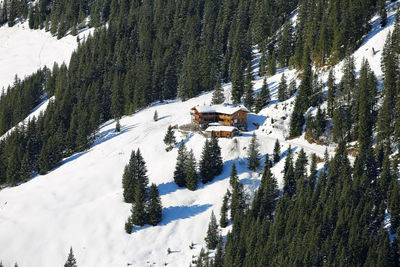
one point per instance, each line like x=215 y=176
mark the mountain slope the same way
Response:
x=80 y=204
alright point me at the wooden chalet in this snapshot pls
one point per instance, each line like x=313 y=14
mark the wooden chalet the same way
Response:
x=222 y=131
x=223 y=114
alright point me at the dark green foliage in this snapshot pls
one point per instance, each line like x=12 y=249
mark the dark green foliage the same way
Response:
x=71 y=261
x=169 y=138
x=277 y=151
x=190 y=171
x=282 y=89
x=238 y=198
x=315 y=126
x=248 y=89
x=139 y=216
x=233 y=177
x=331 y=93
x=253 y=154
x=223 y=221
x=155 y=116
x=212 y=233
x=154 y=207
x=218 y=95
x=302 y=103
x=211 y=163
x=180 y=168
x=117 y=126
x=135 y=175
x=383 y=14
x=263 y=97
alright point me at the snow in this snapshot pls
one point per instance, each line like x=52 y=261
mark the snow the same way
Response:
x=221 y=128
x=224 y=109
x=23 y=51
x=35 y=113
x=80 y=203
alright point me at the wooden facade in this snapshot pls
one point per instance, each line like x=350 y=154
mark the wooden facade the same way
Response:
x=228 y=116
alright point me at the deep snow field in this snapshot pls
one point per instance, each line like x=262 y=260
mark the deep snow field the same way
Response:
x=23 y=51
x=80 y=203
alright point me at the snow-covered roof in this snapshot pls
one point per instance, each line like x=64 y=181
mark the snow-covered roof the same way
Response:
x=221 y=128
x=225 y=109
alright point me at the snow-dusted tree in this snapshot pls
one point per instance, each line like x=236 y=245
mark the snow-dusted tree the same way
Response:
x=223 y=221
x=218 y=95
x=155 y=116
x=154 y=207
x=71 y=261
x=212 y=233
x=190 y=170
x=253 y=154
x=180 y=172
x=169 y=138
x=277 y=151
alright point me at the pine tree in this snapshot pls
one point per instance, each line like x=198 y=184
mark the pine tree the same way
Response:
x=169 y=138
x=271 y=64
x=277 y=151
x=216 y=158
x=139 y=216
x=223 y=221
x=190 y=170
x=179 y=173
x=282 y=89
x=212 y=233
x=383 y=14
x=262 y=98
x=155 y=116
x=331 y=93
x=71 y=261
x=154 y=207
x=218 y=95
x=238 y=199
x=248 y=88
x=206 y=164
x=118 y=126
x=253 y=154
x=233 y=177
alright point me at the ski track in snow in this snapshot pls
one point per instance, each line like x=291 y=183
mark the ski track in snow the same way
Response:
x=80 y=203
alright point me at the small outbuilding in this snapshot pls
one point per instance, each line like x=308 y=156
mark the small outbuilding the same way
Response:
x=222 y=131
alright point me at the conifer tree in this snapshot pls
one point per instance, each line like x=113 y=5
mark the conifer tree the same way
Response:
x=71 y=261
x=253 y=154
x=223 y=221
x=383 y=14
x=128 y=181
x=190 y=171
x=169 y=138
x=394 y=204
x=180 y=172
x=292 y=88
x=218 y=95
x=117 y=103
x=139 y=216
x=282 y=89
x=233 y=177
x=238 y=199
x=271 y=64
x=155 y=116
x=154 y=207
x=118 y=126
x=248 y=88
x=262 y=98
x=206 y=164
x=277 y=151
x=331 y=93
x=212 y=233
x=215 y=155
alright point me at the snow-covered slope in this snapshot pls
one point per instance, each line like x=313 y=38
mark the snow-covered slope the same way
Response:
x=23 y=51
x=80 y=203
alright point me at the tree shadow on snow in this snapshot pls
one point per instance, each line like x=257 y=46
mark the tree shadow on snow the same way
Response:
x=168 y=188
x=175 y=213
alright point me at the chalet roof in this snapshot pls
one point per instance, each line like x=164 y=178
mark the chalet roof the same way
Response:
x=224 y=109
x=221 y=128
